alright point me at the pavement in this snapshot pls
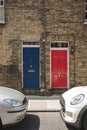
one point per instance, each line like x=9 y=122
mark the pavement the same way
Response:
x=43 y=103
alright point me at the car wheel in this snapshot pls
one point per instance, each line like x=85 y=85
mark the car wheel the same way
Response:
x=84 y=124
x=71 y=127
x=0 y=123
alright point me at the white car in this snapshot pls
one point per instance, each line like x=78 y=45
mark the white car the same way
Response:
x=13 y=106
x=74 y=108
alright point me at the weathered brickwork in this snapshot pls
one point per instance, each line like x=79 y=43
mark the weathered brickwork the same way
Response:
x=42 y=21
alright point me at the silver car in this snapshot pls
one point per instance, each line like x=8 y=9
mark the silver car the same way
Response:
x=13 y=106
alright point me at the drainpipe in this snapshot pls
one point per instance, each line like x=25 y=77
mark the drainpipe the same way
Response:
x=42 y=11
x=43 y=51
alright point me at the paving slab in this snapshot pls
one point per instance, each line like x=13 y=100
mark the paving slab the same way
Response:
x=43 y=103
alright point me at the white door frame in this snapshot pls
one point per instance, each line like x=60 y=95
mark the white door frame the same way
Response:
x=38 y=46
x=60 y=48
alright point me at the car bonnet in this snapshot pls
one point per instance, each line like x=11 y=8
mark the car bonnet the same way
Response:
x=11 y=93
x=68 y=95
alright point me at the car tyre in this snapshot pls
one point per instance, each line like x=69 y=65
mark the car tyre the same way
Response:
x=0 y=123
x=70 y=127
x=84 y=123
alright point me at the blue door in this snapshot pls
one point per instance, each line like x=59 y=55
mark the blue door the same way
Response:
x=31 y=67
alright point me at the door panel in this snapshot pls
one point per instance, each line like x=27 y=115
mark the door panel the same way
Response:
x=30 y=67
x=59 y=69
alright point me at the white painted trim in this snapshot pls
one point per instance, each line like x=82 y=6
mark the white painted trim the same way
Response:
x=68 y=67
x=85 y=22
x=60 y=42
x=30 y=45
x=26 y=46
x=22 y=66
x=60 y=48
x=50 y=68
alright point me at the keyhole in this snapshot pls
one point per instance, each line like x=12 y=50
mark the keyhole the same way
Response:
x=31 y=62
x=31 y=59
x=58 y=61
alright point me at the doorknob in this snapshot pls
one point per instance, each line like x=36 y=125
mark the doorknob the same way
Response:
x=30 y=66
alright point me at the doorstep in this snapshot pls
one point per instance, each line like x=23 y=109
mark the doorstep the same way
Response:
x=43 y=104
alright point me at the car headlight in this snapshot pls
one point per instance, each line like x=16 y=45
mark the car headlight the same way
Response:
x=77 y=99
x=14 y=103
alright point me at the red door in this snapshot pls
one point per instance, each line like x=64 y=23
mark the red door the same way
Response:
x=59 y=69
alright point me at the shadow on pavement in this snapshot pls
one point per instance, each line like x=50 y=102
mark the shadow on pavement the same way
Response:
x=30 y=122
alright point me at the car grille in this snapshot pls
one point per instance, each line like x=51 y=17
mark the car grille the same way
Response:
x=25 y=101
x=62 y=102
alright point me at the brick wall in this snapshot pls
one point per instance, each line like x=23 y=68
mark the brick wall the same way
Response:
x=33 y=20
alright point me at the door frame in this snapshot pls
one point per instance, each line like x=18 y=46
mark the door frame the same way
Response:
x=29 y=46
x=60 y=48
